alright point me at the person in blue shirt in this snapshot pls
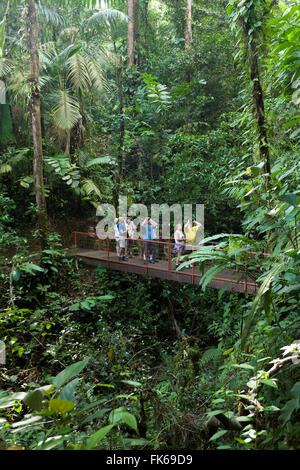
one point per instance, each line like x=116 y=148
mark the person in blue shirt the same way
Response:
x=148 y=228
x=122 y=229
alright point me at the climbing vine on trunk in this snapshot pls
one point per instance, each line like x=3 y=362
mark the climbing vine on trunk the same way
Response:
x=249 y=17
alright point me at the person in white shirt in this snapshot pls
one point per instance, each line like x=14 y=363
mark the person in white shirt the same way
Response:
x=117 y=237
x=131 y=229
x=179 y=243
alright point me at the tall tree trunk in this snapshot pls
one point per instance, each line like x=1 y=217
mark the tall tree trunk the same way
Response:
x=133 y=32
x=122 y=124
x=32 y=33
x=252 y=41
x=258 y=105
x=130 y=47
x=119 y=174
x=188 y=25
x=68 y=143
x=136 y=27
x=188 y=46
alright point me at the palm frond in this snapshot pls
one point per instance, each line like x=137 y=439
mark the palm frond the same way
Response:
x=66 y=111
x=66 y=53
x=47 y=52
x=5 y=67
x=78 y=72
x=19 y=86
x=96 y=75
x=69 y=32
x=49 y=16
x=82 y=3
x=107 y=16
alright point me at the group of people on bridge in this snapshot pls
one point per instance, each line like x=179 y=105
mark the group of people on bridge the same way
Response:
x=125 y=233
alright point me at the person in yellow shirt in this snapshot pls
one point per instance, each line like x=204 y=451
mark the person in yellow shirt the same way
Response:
x=190 y=231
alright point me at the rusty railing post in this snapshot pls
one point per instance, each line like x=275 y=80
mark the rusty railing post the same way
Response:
x=193 y=270
x=107 y=250
x=245 y=281
x=169 y=256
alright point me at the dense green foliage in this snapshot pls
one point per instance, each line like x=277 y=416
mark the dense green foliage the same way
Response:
x=103 y=360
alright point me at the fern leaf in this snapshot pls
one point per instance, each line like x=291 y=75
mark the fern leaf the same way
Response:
x=90 y=187
x=107 y=160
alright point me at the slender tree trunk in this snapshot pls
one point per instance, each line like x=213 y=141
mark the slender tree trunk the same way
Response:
x=32 y=33
x=136 y=26
x=130 y=47
x=122 y=125
x=145 y=14
x=258 y=105
x=188 y=25
x=257 y=92
x=68 y=143
x=140 y=155
x=119 y=174
x=133 y=32
x=188 y=46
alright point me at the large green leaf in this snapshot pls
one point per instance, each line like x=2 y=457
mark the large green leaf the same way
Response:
x=68 y=391
x=97 y=436
x=291 y=199
x=34 y=400
x=15 y=274
x=296 y=390
x=61 y=406
x=69 y=372
x=218 y=434
x=120 y=415
x=288 y=409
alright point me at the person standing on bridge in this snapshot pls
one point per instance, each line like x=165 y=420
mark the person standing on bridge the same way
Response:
x=179 y=243
x=122 y=228
x=117 y=237
x=190 y=229
x=131 y=228
x=148 y=233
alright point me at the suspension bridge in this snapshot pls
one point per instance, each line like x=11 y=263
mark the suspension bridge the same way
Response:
x=94 y=251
